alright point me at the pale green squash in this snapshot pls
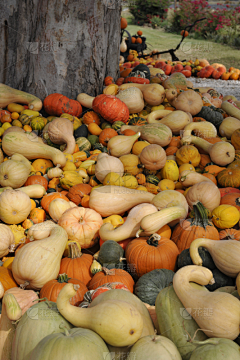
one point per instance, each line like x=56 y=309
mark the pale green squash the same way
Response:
x=173 y=318
x=216 y=349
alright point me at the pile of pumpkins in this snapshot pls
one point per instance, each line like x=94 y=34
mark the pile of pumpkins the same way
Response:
x=120 y=223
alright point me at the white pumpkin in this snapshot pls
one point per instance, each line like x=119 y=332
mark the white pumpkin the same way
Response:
x=7 y=243
x=57 y=207
x=13 y=174
x=106 y=164
x=15 y=206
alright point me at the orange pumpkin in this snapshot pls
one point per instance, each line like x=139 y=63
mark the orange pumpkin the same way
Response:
x=125 y=73
x=58 y=104
x=77 y=265
x=123 y=23
x=197 y=227
x=139 y=33
x=108 y=80
x=211 y=177
x=109 y=276
x=53 y=287
x=76 y=192
x=37 y=215
x=139 y=40
x=171 y=150
x=232 y=199
x=213 y=169
x=85 y=201
x=229 y=178
x=185 y=33
x=91 y=117
x=37 y=179
x=45 y=202
x=129 y=132
x=229 y=234
x=205 y=159
x=175 y=141
x=163 y=254
x=7 y=279
x=106 y=135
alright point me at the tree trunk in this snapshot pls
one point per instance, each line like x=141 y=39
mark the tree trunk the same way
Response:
x=62 y=46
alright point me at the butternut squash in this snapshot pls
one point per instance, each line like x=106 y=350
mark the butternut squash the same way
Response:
x=216 y=313
x=175 y=120
x=203 y=129
x=116 y=321
x=130 y=226
x=9 y=95
x=190 y=178
x=28 y=146
x=85 y=100
x=225 y=254
x=36 y=191
x=115 y=200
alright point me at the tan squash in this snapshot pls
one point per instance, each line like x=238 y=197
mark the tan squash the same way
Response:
x=13 y=174
x=203 y=129
x=133 y=98
x=35 y=191
x=122 y=145
x=9 y=95
x=228 y=126
x=22 y=159
x=28 y=146
x=115 y=200
x=60 y=131
x=223 y=310
x=130 y=226
x=154 y=94
x=41 y=230
x=221 y=153
x=15 y=206
x=153 y=157
x=38 y=262
x=190 y=178
x=85 y=100
x=225 y=254
x=169 y=198
x=206 y=192
x=7 y=243
x=106 y=164
x=189 y=101
x=175 y=120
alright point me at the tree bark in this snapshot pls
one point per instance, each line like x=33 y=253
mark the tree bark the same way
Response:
x=59 y=46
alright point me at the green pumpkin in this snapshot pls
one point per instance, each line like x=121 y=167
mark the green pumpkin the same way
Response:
x=37 y=123
x=137 y=121
x=39 y=321
x=175 y=322
x=93 y=139
x=220 y=280
x=230 y=290
x=99 y=146
x=117 y=125
x=110 y=254
x=105 y=125
x=76 y=343
x=152 y=179
x=184 y=259
x=50 y=143
x=149 y=285
x=211 y=114
x=25 y=119
x=83 y=144
x=216 y=349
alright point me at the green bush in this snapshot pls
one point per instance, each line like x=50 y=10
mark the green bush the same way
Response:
x=144 y=10
x=156 y=21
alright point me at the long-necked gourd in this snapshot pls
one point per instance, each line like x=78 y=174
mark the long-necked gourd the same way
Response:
x=39 y=261
x=203 y=129
x=130 y=226
x=216 y=313
x=225 y=254
x=175 y=120
x=117 y=322
x=29 y=146
x=112 y=200
x=150 y=224
x=9 y=95
x=190 y=178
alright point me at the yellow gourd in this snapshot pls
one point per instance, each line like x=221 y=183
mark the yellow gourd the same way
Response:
x=130 y=181
x=225 y=216
x=12 y=107
x=115 y=220
x=170 y=170
x=69 y=166
x=166 y=184
x=18 y=233
x=94 y=129
x=138 y=147
x=184 y=167
x=130 y=163
x=69 y=179
x=113 y=179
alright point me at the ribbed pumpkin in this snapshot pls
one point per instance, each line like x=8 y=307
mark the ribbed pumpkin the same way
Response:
x=153 y=157
x=229 y=234
x=77 y=265
x=53 y=287
x=38 y=123
x=57 y=104
x=235 y=139
x=49 y=197
x=106 y=135
x=147 y=254
x=109 y=276
x=110 y=108
x=42 y=165
x=188 y=154
x=138 y=121
x=76 y=192
x=229 y=178
x=231 y=199
x=37 y=179
x=197 y=227
x=91 y=117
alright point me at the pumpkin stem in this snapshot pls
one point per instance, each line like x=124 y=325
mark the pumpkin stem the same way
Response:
x=23 y=286
x=108 y=272
x=153 y=240
x=66 y=332
x=63 y=278
x=200 y=215
x=73 y=251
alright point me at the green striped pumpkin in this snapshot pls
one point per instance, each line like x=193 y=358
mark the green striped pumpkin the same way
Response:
x=152 y=179
x=38 y=123
x=117 y=125
x=25 y=119
x=83 y=144
x=139 y=121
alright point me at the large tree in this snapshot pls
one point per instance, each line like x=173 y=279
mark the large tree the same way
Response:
x=63 y=46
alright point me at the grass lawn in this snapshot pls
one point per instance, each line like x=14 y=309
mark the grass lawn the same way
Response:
x=190 y=48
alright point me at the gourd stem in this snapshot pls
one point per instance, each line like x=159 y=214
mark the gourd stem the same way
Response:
x=108 y=272
x=194 y=254
x=200 y=215
x=73 y=251
x=203 y=144
x=208 y=341
x=66 y=332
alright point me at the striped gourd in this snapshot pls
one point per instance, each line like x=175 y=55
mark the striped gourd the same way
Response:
x=83 y=144
x=38 y=123
x=152 y=179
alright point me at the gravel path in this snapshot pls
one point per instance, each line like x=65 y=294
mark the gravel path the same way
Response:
x=225 y=87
